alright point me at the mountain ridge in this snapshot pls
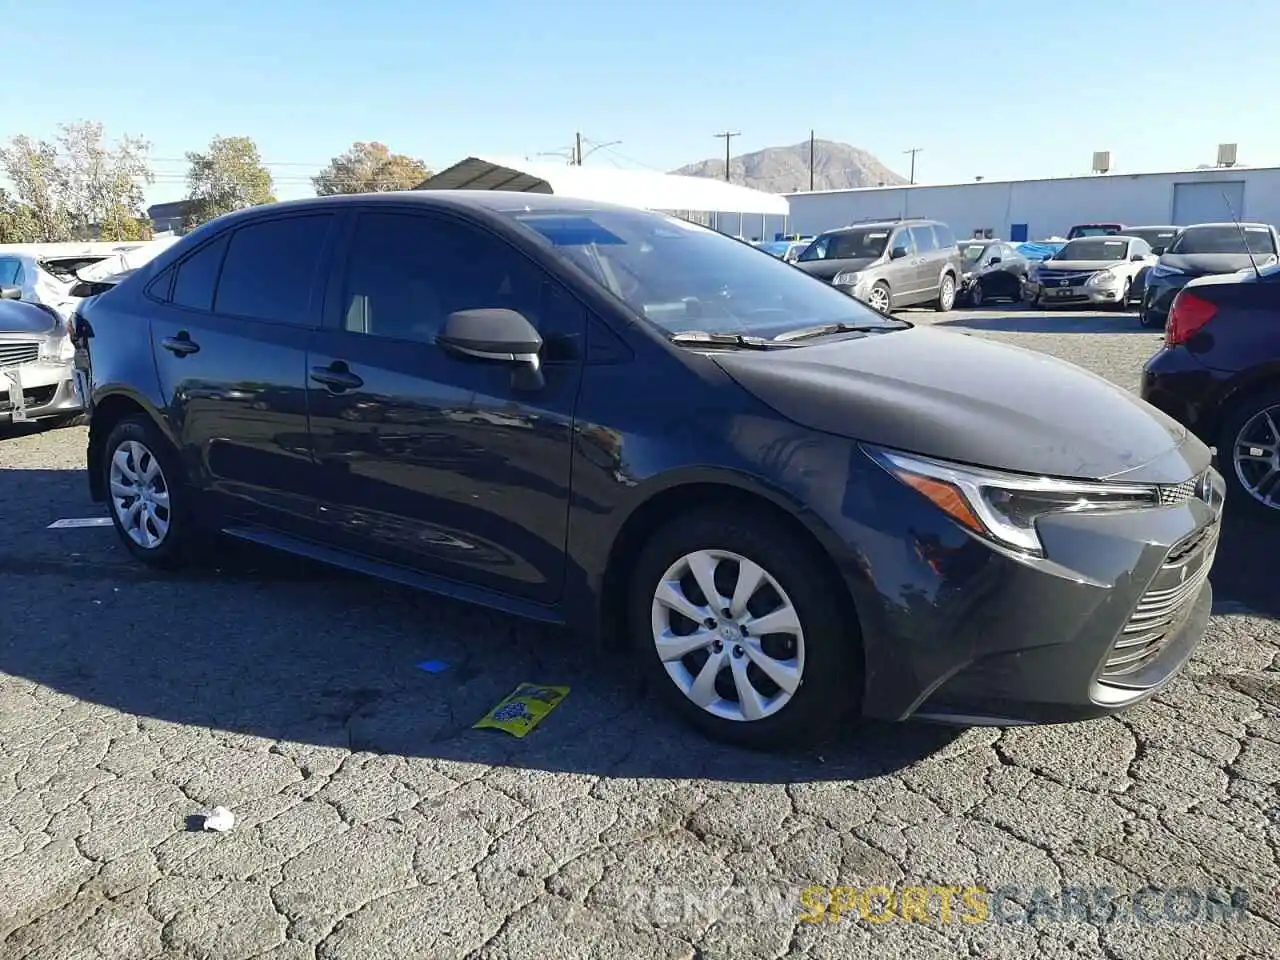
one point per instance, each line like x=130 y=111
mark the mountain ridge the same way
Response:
x=837 y=166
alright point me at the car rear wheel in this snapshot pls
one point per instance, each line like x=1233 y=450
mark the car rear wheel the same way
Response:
x=946 y=293
x=743 y=629
x=1249 y=455
x=148 y=498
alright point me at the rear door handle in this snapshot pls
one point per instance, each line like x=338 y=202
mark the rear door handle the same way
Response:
x=337 y=377
x=180 y=345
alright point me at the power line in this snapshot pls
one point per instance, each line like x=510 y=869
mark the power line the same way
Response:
x=913 y=151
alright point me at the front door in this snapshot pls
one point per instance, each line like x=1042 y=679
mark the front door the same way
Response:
x=903 y=273
x=428 y=460
x=230 y=341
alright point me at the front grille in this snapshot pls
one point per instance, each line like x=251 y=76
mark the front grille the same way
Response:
x=1054 y=278
x=1175 y=493
x=1162 y=607
x=14 y=352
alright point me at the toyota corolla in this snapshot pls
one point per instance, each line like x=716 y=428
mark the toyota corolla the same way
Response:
x=786 y=504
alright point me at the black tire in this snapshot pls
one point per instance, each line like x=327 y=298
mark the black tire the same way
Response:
x=184 y=535
x=1235 y=421
x=1125 y=293
x=830 y=685
x=881 y=287
x=977 y=296
x=946 y=293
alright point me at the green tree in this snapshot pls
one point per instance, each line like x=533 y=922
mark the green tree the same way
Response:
x=17 y=221
x=228 y=176
x=78 y=186
x=369 y=168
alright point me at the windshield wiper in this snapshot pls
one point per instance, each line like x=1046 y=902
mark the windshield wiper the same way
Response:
x=724 y=339
x=826 y=329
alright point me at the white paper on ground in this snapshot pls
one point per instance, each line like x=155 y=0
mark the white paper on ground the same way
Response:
x=220 y=819
x=70 y=522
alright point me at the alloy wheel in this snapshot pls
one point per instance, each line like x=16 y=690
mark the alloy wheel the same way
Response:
x=879 y=299
x=728 y=635
x=976 y=296
x=1256 y=457
x=947 y=295
x=139 y=494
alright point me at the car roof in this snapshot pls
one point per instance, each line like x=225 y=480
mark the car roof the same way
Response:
x=1229 y=223
x=1155 y=226
x=880 y=224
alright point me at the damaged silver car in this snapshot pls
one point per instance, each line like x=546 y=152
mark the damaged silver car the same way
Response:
x=38 y=380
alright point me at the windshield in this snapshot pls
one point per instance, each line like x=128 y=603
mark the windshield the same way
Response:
x=1095 y=230
x=1155 y=238
x=1091 y=249
x=1223 y=239
x=848 y=245
x=683 y=277
x=971 y=253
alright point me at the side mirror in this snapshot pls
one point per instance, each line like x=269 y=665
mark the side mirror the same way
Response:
x=82 y=290
x=898 y=253
x=994 y=260
x=1157 y=251
x=10 y=293
x=1138 y=257
x=498 y=336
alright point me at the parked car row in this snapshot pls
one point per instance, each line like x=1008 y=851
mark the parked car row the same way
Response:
x=816 y=509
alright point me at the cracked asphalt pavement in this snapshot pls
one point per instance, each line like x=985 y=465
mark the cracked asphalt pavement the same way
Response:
x=373 y=822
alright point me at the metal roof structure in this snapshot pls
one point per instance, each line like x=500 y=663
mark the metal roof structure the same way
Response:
x=633 y=188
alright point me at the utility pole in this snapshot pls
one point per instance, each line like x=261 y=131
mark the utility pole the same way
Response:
x=728 y=135
x=811 y=142
x=913 y=151
x=577 y=149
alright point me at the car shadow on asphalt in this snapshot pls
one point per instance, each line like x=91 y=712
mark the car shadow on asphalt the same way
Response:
x=305 y=656
x=1062 y=320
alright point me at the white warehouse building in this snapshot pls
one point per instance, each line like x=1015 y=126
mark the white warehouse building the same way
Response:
x=1038 y=209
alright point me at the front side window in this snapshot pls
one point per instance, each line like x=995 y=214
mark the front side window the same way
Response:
x=407 y=272
x=945 y=237
x=923 y=238
x=10 y=272
x=683 y=278
x=270 y=270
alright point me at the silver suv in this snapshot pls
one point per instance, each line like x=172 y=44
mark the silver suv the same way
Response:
x=888 y=263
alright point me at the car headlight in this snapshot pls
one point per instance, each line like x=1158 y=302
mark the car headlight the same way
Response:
x=59 y=349
x=1004 y=507
x=850 y=279
x=1102 y=277
x=1164 y=270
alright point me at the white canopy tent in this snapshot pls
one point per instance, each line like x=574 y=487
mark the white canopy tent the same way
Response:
x=646 y=189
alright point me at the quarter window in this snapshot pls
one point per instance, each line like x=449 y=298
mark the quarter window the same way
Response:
x=270 y=269
x=193 y=285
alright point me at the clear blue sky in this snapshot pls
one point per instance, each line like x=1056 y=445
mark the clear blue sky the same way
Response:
x=993 y=89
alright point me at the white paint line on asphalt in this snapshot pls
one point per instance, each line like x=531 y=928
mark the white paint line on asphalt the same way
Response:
x=75 y=522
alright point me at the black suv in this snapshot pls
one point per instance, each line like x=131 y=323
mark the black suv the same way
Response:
x=888 y=263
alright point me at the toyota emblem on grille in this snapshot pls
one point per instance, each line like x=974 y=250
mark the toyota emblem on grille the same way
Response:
x=1064 y=283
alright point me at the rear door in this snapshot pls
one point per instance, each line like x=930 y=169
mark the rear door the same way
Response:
x=230 y=337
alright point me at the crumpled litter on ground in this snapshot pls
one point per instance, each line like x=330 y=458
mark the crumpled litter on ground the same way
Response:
x=220 y=819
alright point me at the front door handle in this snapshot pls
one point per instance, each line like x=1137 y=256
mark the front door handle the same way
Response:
x=180 y=345
x=337 y=377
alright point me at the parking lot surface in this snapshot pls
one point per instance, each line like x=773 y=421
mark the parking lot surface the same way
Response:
x=372 y=821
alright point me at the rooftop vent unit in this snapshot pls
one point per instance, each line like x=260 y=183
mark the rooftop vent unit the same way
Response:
x=1226 y=154
x=1102 y=161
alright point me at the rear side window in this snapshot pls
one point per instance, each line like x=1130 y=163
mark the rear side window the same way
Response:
x=270 y=269
x=945 y=237
x=923 y=236
x=193 y=285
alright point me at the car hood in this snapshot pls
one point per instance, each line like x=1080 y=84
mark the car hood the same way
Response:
x=19 y=317
x=827 y=269
x=963 y=398
x=1082 y=266
x=1201 y=264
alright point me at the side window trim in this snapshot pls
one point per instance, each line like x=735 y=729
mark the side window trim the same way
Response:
x=316 y=295
x=170 y=274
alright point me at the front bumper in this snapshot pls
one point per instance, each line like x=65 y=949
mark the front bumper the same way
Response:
x=955 y=630
x=1082 y=294
x=37 y=391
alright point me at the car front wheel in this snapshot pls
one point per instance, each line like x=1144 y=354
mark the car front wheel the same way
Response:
x=744 y=630
x=146 y=493
x=946 y=294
